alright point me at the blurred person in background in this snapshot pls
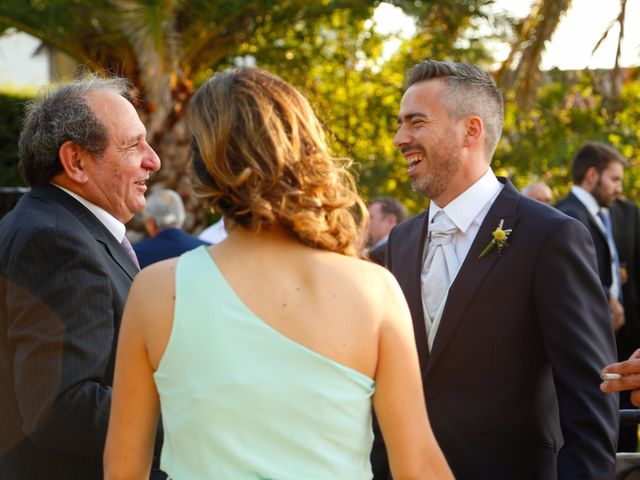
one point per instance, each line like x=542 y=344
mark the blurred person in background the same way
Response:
x=214 y=233
x=597 y=171
x=384 y=214
x=163 y=219
x=538 y=191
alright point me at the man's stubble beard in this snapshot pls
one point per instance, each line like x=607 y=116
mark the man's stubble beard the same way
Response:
x=602 y=199
x=445 y=165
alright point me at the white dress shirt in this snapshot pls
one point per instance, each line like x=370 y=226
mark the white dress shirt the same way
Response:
x=115 y=226
x=467 y=211
x=591 y=204
x=214 y=233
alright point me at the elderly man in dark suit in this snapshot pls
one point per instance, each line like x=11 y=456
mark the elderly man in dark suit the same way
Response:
x=66 y=269
x=510 y=321
x=163 y=219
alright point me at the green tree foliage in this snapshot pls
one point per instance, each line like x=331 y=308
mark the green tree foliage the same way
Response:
x=337 y=61
x=334 y=54
x=11 y=114
x=163 y=47
x=570 y=109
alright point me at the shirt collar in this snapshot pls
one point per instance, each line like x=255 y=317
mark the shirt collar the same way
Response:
x=115 y=226
x=465 y=208
x=380 y=242
x=586 y=199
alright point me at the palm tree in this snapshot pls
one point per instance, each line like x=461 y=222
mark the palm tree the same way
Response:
x=520 y=72
x=164 y=47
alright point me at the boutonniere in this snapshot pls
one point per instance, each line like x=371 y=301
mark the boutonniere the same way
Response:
x=499 y=239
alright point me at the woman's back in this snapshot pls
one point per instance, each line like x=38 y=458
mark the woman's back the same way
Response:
x=277 y=332
x=241 y=397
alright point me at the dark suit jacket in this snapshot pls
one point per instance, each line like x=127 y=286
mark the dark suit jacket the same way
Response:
x=168 y=243
x=378 y=254
x=625 y=222
x=576 y=209
x=512 y=381
x=64 y=282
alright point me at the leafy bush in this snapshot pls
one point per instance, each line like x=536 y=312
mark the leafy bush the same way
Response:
x=11 y=114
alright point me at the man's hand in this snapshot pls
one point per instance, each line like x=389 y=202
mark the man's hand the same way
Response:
x=617 y=313
x=630 y=380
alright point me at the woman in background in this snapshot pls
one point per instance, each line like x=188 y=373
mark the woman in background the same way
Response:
x=264 y=351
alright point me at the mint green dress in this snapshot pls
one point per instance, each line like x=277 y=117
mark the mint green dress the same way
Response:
x=240 y=400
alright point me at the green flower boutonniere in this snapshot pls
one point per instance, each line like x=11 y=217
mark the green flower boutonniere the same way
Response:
x=499 y=240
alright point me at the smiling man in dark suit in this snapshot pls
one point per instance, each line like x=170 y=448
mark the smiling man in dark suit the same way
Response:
x=510 y=321
x=65 y=274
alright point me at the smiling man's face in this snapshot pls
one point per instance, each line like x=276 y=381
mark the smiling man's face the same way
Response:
x=429 y=139
x=117 y=177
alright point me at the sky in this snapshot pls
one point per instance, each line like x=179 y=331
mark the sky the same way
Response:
x=579 y=31
x=570 y=48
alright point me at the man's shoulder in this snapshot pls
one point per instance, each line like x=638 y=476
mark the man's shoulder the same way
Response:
x=40 y=220
x=627 y=207
x=540 y=214
x=574 y=208
x=569 y=203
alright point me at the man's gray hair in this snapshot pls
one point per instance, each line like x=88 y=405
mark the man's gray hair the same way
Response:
x=60 y=115
x=166 y=207
x=469 y=91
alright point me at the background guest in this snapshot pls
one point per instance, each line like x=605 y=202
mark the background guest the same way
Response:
x=597 y=172
x=163 y=219
x=214 y=233
x=384 y=214
x=538 y=191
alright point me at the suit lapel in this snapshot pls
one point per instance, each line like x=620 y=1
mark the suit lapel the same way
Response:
x=407 y=267
x=475 y=269
x=592 y=222
x=92 y=224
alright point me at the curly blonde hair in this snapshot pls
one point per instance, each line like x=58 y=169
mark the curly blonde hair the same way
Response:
x=260 y=158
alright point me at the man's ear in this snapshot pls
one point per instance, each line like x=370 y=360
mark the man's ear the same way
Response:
x=474 y=130
x=151 y=226
x=74 y=161
x=591 y=178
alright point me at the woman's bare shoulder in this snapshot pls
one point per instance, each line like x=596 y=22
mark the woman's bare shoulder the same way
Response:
x=154 y=287
x=370 y=278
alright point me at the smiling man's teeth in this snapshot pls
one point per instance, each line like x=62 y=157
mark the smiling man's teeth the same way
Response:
x=414 y=160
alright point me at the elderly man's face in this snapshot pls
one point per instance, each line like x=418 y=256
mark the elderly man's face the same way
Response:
x=542 y=193
x=117 y=178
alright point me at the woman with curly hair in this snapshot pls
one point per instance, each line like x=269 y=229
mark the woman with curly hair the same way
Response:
x=265 y=352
